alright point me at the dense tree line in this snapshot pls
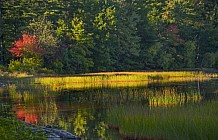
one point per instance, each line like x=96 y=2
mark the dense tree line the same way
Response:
x=78 y=36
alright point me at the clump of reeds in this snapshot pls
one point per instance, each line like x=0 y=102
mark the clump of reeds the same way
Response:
x=119 y=79
x=170 y=97
x=184 y=122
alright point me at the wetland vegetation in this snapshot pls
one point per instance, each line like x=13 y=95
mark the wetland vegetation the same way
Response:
x=190 y=122
x=119 y=79
x=119 y=105
x=91 y=67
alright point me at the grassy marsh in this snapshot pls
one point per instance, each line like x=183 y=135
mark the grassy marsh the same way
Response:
x=149 y=106
x=196 y=121
x=119 y=79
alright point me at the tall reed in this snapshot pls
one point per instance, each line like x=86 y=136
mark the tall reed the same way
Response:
x=184 y=122
x=118 y=79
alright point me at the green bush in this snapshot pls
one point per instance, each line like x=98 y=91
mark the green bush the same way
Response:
x=3 y=68
x=14 y=66
x=209 y=60
x=58 y=66
x=13 y=129
x=29 y=65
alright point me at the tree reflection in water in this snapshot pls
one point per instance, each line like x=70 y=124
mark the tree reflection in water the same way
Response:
x=80 y=123
x=84 y=111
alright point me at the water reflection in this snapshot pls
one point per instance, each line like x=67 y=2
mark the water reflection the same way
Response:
x=84 y=112
x=80 y=123
x=27 y=116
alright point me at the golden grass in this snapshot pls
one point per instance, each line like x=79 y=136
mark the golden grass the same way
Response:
x=120 y=79
x=171 y=97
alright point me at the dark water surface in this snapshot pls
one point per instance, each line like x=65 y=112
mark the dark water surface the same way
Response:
x=84 y=112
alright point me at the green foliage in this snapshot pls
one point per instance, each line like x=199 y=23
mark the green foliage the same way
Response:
x=115 y=35
x=76 y=55
x=14 y=65
x=159 y=57
x=209 y=60
x=3 y=68
x=216 y=55
x=75 y=61
x=58 y=66
x=105 y=20
x=104 y=26
x=189 y=54
x=179 y=122
x=46 y=35
x=62 y=28
x=165 y=59
x=152 y=55
x=29 y=65
x=42 y=29
x=128 y=43
x=11 y=129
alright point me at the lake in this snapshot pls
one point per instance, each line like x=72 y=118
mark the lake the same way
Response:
x=94 y=113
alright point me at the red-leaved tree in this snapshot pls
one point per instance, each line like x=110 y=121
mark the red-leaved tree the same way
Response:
x=26 y=46
x=172 y=32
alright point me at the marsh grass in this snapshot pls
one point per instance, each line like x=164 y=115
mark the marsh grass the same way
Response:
x=170 y=96
x=25 y=93
x=118 y=79
x=172 y=123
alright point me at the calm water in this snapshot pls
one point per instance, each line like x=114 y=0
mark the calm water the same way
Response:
x=84 y=112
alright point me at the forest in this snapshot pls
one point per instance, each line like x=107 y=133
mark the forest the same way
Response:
x=80 y=36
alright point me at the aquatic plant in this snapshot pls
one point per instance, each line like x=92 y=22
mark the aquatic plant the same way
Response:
x=196 y=121
x=118 y=79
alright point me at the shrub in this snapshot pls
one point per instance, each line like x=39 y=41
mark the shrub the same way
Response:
x=14 y=66
x=3 y=68
x=209 y=60
x=58 y=66
x=29 y=65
